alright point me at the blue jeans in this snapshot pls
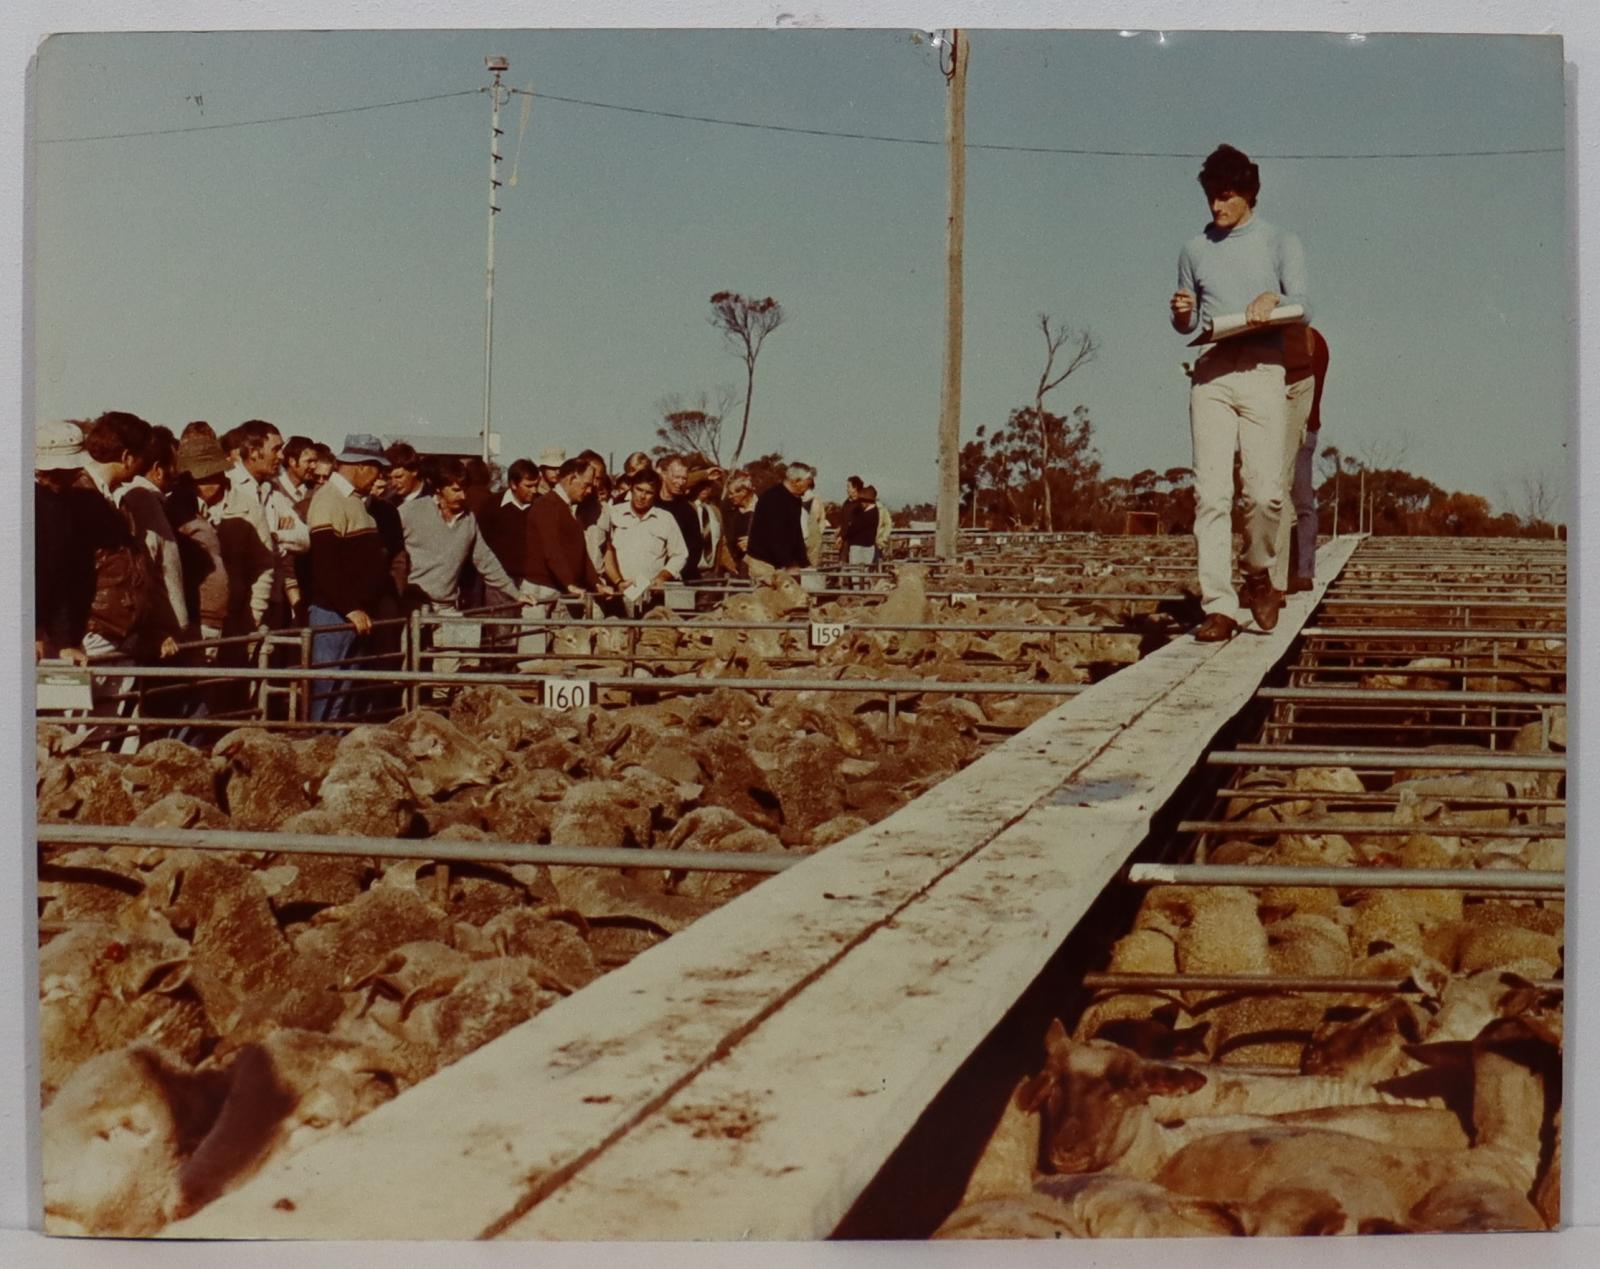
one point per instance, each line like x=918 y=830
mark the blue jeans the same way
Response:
x=1304 y=495
x=330 y=648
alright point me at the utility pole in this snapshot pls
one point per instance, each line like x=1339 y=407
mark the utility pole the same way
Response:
x=497 y=66
x=949 y=513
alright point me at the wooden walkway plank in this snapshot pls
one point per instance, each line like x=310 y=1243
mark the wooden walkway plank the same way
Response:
x=778 y=1139
x=484 y=1146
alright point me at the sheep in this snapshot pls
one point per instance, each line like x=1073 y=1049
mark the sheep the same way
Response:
x=1514 y=1068
x=114 y=1140
x=1007 y=1197
x=1104 y=1107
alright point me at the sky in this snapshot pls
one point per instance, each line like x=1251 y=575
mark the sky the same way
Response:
x=327 y=273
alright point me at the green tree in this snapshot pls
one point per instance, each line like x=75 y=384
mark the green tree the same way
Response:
x=745 y=323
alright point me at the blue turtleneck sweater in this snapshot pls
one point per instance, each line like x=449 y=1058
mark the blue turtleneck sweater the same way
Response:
x=1225 y=270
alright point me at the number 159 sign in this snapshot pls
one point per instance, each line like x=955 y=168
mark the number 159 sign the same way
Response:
x=825 y=634
x=568 y=694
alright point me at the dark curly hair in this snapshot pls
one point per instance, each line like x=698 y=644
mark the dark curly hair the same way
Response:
x=1230 y=171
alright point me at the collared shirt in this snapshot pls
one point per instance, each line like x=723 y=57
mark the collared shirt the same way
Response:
x=339 y=482
x=240 y=478
x=510 y=499
x=286 y=482
x=100 y=483
x=646 y=545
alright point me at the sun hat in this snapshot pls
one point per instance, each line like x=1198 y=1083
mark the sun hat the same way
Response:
x=363 y=447
x=200 y=457
x=554 y=456
x=57 y=446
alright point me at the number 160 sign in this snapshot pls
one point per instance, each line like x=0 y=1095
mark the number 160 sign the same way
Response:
x=568 y=693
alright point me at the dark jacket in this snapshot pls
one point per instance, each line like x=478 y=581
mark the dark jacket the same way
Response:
x=555 y=554
x=860 y=527
x=776 y=535
x=393 y=536
x=63 y=574
x=683 y=511
x=349 y=564
x=205 y=576
x=124 y=576
x=504 y=526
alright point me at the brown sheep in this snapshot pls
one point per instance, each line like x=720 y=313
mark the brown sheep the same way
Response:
x=1514 y=1077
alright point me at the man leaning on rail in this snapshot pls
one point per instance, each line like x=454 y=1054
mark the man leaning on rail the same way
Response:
x=1237 y=398
x=349 y=570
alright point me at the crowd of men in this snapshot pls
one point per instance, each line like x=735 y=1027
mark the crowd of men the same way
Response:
x=149 y=543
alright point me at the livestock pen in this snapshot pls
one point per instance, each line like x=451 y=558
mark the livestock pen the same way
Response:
x=829 y=1051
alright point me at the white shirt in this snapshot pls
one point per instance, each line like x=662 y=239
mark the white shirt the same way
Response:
x=246 y=500
x=710 y=533
x=510 y=499
x=294 y=540
x=646 y=546
x=595 y=536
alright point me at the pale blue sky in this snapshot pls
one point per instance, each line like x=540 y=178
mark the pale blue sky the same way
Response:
x=327 y=273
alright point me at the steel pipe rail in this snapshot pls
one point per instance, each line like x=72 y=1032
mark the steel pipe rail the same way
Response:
x=1279 y=793
x=1437 y=828
x=1402 y=696
x=695 y=626
x=1266 y=983
x=1479 y=881
x=1387 y=760
x=765 y=863
x=1389 y=601
x=1452 y=633
x=625 y=682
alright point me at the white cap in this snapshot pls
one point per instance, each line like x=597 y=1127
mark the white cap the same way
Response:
x=58 y=446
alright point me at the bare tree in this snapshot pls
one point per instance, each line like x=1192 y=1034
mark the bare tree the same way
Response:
x=1385 y=453
x=694 y=426
x=1532 y=499
x=745 y=323
x=1076 y=349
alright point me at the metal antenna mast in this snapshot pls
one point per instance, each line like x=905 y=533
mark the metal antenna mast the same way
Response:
x=497 y=66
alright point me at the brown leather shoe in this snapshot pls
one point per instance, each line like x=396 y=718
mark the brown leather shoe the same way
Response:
x=1216 y=628
x=1299 y=585
x=1264 y=599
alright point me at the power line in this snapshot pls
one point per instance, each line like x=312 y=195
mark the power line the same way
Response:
x=835 y=134
x=251 y=123
x=1024 y=149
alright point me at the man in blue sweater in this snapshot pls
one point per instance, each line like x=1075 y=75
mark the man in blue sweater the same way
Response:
x=1237 y=400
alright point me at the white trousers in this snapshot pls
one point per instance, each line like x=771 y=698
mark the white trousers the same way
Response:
x=439 y=662
x=1237 y=404
x=536 y=641
x=1298 y=395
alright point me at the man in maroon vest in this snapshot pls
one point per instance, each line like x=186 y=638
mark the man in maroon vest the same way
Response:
x=556 y=564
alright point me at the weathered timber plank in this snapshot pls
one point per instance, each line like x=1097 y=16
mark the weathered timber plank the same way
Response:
x=778 y=1138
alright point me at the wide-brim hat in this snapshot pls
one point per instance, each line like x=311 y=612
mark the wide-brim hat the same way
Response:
x=552 y=457
x=363 y=447
x=58 y=446
x=200 y=457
